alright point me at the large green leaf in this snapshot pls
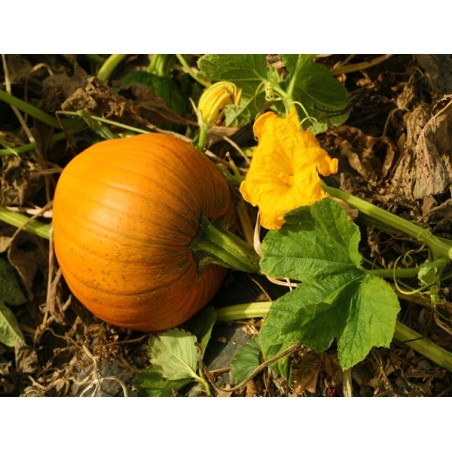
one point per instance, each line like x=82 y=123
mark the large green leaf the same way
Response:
x=322 y=95
x=337 y=297
x=315 y=242
x=234 y=68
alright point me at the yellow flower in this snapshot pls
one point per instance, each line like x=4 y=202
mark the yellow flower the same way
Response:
x=285 y=168
x=213 y=100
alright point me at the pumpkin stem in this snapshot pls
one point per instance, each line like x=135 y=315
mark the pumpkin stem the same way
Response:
x=214 y=245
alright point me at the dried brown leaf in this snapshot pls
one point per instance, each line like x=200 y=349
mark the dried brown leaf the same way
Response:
x=425 y=168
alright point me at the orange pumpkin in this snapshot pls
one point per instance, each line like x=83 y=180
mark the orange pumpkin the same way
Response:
x=124 y=214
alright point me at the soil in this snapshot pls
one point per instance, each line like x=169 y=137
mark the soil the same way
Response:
x=394 y=150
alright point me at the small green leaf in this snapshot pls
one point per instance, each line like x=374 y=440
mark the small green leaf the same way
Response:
x=10 y=291
x=10 y=332
x=246 y=360
x=175 y=355
x=201 y=326
x=150 y=383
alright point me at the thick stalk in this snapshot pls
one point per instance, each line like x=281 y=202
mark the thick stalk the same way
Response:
x=439 y=248
x=160 y=65
x=22 y=221
x=110 y=64
x=423 y=346
x=214 y=245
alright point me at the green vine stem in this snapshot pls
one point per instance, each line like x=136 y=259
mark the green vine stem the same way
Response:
x=424 y=346
x=31 y=110
x=23 y=222
x=440 y=248
x=190 y=71
x=215 y=245
x=110 y=64
x=160 y=65
x=30 y=146
x=402 y=333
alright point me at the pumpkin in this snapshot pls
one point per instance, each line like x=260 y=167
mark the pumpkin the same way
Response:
x=124 y=214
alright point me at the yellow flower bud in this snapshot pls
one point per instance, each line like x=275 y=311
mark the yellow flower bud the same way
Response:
x=214 y=99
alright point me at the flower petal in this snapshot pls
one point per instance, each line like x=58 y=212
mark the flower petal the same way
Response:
x=284 y=171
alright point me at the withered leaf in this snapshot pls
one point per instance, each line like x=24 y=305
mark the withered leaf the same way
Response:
x=425 y=168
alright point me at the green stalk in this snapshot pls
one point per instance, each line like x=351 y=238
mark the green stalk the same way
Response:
x=201 y=143
x=110 y=64
x=424 y=346
x=293 y=79
x=30 y=109
x=30 y=146
x=25 y=223
x=243 y=311
x=160 y=65
x=394 y=272
x=402 y=333
x=438 y=264
x=190 y=72
x=439 y=248
x=213 y=245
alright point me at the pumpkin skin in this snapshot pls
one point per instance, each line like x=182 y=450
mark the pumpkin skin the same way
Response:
x=124 y=214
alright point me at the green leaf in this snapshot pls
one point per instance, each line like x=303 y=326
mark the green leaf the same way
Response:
x=321 y=94
x=234 y=68
x=337 y=298
x=163 y=87
x=10 y=290
x=175 y=355
x=201 y=326
x=174 y=358
x=246 y=360
x=150 y=383
x=315 y=242
x=10 y=332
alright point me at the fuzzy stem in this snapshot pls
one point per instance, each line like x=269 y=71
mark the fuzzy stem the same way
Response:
x=439 y=248
x=110 y=64
x=25 y=223
x=221 y=247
